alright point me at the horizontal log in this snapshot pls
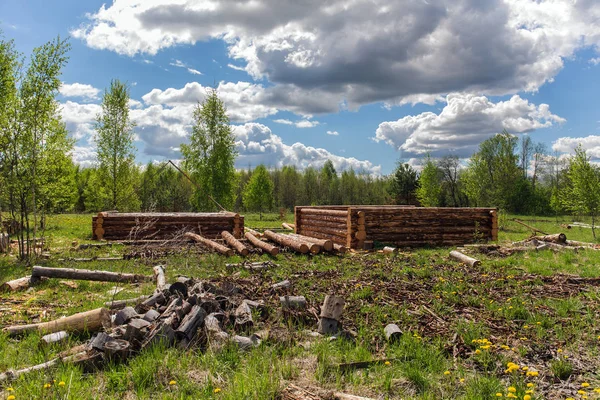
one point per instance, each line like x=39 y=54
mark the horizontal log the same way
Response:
x=322 y=211
x=322 y=219
x=306 y=229
x=209 y=243
x=288 y=241
x=463 y=258
x=326 y=244
x=88 y=321
x=267 y=247
x=112 y=215
x=556 y=238
x=89 y=275
x=429 y=230
x=236 y=244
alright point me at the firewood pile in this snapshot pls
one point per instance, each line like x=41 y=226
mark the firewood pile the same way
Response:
x=124 y=226
x=358 y=226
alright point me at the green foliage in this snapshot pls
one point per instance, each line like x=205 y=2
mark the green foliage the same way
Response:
x=582 y=192
x=403 y=184
x=429 y=191
x=211 y=154
x=116 y=153
x=258 y=195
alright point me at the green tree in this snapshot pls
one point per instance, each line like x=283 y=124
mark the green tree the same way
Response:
x=582 y=193
x=403 y=184
x=258 y=195
x=429 y=190
x=116 y=151
x=211 y=154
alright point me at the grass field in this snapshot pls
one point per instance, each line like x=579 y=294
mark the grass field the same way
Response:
x=518 y=326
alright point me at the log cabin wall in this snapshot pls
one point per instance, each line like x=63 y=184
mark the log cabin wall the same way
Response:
x=398 y=225
x=139 y=226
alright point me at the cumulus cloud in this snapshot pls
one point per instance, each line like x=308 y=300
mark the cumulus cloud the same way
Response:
x=463 y=123
x=366 y=50
x=283 y=121
x=79 y=90
x=257 y=144
x=79 y=118
x=84 y=155
x=181 y=64
x=333 y=133
x=591 y=144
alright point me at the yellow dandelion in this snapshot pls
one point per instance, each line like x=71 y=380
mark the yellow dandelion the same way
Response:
x=11 y=397
x=216 y=390
x=585 y=384
x=597 y=390
x=539 y=323
x=173 y=383
x=512 y=389
x=446 y=372
x=511 y=396
x=10 y=389
x=477 y=351
x=559 y=350
x=486 y=347
x=527 y=397
x=61 y=383
x=525 y=326
x=529 y=385
x=387 y=363
x=581 y=391
x=532 y=373
x=528 y=391
x=525 y=368
x=462 y=380
x=499 y=394
x=47 y=385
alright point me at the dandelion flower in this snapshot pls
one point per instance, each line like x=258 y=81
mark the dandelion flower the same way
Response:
x=597 y=390
x=173 y=383
x=387 y=363
x=477 y=351
x=527 y=397
x=47 y=385
x=462 y=380
x=530 y=385
x=525 y=368
x=559 y=350
x=528 y=391
x=581 y=391
x=511 y=396
x=446 y=372
x=11 y=397
x=512 y=389
x=216 y=390
x=10 y=389
x=61 y=383
x=532 y=373
x=499 y=394
x=585 y=384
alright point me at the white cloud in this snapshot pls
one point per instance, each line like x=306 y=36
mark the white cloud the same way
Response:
x=365 y=51
x=283 y=121
x=591 y=144
x=257 y=144
x=306 y=124
x=79 y=118
x=463 y=123
x=79 y=90
x=594 y=61
x=181 y=64
x=333 y=133
x=84 y=155
x=236 y=67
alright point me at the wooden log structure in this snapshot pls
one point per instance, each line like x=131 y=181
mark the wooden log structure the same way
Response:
x=264 y=246
x=210 y=244
x=138 y=226
x=90 y=321
x=291 y=242
x=88 y=275
x=401 y=226
x=236 y=244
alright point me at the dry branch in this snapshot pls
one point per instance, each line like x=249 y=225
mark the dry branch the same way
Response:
x=89 y=275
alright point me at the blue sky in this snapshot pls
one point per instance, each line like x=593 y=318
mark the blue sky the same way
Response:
x=362 y=83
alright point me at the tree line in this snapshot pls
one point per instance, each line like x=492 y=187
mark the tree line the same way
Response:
x=38 y=175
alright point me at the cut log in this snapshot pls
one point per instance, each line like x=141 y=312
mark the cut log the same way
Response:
x=98 y=341
x=54 y=337
x=209 y=243
x=267 y=247
x=191 y=323
x=559 y=238
x=77 y=358
x=470 y=261
x=340 y=248
x=89 y=321
x=332 y=307
x=19 y=284
x=281 y=285
x=292 y=302
x=326 y=244
x=118 y=304
x=328 y=326
x=151 y=315
x=236 y=244
x=243 y=316
x=117 y=350
x=299 y=246
x=124 y=315
x=389 y=250
x=287 y=226
x=159 y=277
x=253 y=232
x=136 y=329
x=179 y=289
x=88 y=275
x=392 y=332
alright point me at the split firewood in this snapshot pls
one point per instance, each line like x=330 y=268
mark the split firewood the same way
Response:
x=264 y=246
x=209 y=243
x=89 y=321
x=190 y=324
x=151 y=315
x=124 y=315
x=470 y=261
x=243 y=316
x=392 y=332
x=98 y=341
x=159 y=278
x=88 y=275
x=236 y=244
x=136 y=329
x=331 y=311
x=179 y=289
x=117 y=350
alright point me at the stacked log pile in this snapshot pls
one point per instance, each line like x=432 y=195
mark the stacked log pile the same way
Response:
x=398 y=225
x=124 y=226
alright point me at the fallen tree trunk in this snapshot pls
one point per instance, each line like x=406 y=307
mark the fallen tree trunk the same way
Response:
x=326 y=244
x=299 y=246
x=18 y=284
x=209 y=243
x=269 y=248
x=559 y=238
x=88 y=275
x=236 y=244
x=90 y=321
x=287 y=226
x=470 y=261
x=76 y=358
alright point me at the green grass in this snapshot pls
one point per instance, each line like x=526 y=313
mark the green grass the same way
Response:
x=521 y=304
